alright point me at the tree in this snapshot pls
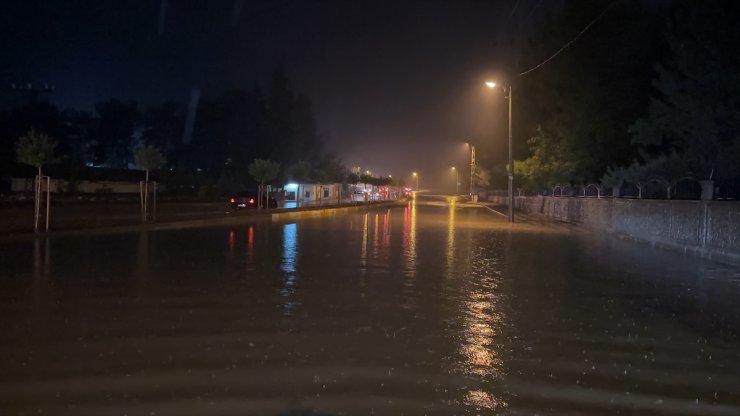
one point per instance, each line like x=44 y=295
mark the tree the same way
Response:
x=481 y=177
x=587 y=97
x=148 y=158
x=162 y=126
x=614 y=178
x=115 y=131
x=300 y=171
x=551 y=162
x=694 y=111
x=290 y=122
x=16 y=122
x=329 y=169
x=353 y=178
x=78 y=141
x=35 y=149
x=263 y=171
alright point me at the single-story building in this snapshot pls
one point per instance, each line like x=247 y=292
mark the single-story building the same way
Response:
x=312 y=193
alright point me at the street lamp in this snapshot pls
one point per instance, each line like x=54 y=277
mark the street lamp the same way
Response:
x=457 y=181
x=417 y=180
x=472 y=167
x=510 y=168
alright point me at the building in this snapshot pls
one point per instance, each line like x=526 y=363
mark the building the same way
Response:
x=303 y=194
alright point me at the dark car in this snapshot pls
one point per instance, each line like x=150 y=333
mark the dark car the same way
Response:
x=248 y=200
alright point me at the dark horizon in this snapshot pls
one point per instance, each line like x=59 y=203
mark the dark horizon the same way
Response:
x=380 y=74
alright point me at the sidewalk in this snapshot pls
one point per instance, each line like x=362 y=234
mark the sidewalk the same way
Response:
x=18 y=218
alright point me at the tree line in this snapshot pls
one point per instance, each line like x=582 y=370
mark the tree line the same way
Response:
x=648 y=94
x=212 y=157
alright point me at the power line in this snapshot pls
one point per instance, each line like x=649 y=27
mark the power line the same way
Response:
x=569 y=42
x=536 y=6
x=511 y=14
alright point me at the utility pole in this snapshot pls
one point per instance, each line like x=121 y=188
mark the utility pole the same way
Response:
x=472 y=168
x=511 y=164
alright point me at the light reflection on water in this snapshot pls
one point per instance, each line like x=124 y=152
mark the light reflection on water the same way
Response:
x=363 y=243
x=450 y=252
x=288 y=265
x=409 y=237
x=250 y=243
x=325 y=317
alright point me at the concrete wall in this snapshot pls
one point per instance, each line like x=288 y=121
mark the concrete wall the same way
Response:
x=57 y=185
x=706 y=228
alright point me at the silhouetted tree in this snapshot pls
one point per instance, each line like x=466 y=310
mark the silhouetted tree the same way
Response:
x=585 y=99
x=162 y=127
x=115 y=131
x=694 y=115
x=300 y=172
x=263 y=171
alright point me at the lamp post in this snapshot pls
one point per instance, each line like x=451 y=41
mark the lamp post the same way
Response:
x=457 y=181
x=417 y=180
x=510 y=168
x=472 y=167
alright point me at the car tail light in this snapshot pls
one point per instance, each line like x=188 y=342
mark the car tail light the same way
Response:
x=251 y=200
x=232 y=200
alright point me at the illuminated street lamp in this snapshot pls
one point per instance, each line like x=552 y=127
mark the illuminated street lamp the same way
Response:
x=510 y=169
x=415 y=175
x=457 y=181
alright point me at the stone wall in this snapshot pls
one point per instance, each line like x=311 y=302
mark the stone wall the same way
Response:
x=706 y=228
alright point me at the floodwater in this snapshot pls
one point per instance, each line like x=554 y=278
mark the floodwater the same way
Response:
x=427 y=309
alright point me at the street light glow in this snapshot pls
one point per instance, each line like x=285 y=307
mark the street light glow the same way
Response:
x=414 y=173
x=490 y=84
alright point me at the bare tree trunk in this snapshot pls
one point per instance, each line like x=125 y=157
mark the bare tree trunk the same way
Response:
x=37 y=201
x=146 y=196
x=259 y=195
x=141 y=200
x=48 y=201
x=154 y=202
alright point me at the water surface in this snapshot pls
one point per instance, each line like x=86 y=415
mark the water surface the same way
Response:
x=433 y=309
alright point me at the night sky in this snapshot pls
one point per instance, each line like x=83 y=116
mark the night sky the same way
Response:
x=396 y=85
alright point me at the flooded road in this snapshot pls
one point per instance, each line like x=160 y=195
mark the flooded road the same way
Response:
x=427 y=309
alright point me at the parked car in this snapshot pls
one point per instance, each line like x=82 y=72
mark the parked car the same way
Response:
x=248 y=200
x=359 y=196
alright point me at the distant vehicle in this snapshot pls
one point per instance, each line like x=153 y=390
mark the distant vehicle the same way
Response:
x=248 y=200
x=359 y=196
